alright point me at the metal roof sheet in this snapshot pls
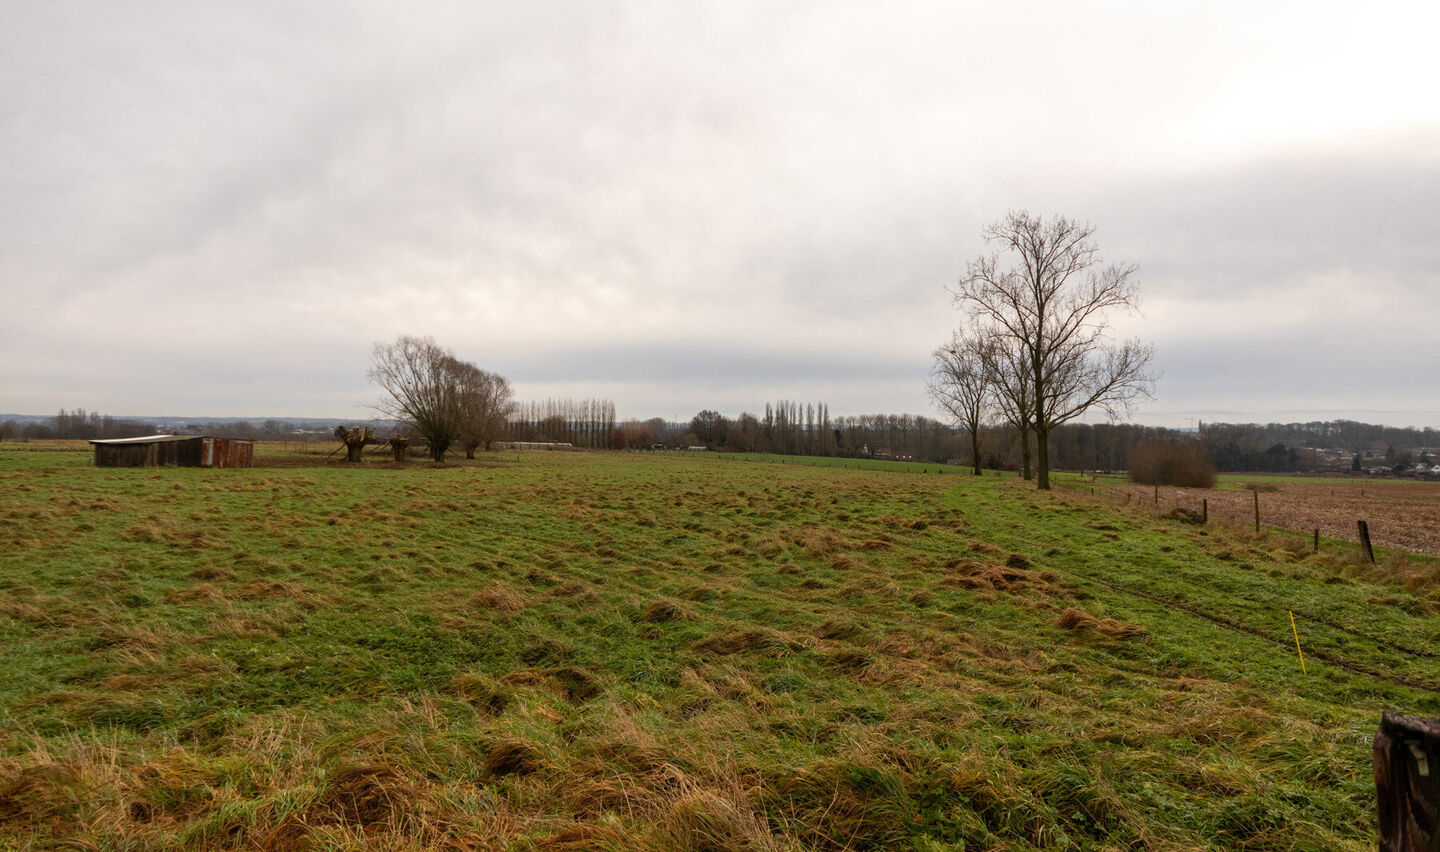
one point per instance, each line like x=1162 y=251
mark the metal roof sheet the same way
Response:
x=148 y=439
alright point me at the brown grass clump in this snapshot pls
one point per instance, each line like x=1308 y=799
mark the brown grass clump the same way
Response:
x=983 y=577
x=745 y=641
x=837 y=629
x=585 y=836
x=1119 y=629
x=661 y=611
x=280 y=590
x=831 y=801
x=291 y=835
x=366 y=796
x=479 y=691
x=197 y=592
x=704 y=820
x=850 y=660
x=35 y=794
x=577 y=685
x=270 y=589
x=512 y=757
x=1075 y=619
x=818 y=541
x=500 y=598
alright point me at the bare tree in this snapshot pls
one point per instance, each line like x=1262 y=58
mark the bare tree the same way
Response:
x=961 y=385
x=1010 y=378
x=486 y=402
x=1053 y=302
x=421 y=383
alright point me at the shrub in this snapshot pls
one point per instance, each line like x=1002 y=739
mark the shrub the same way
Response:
x=1160 y=462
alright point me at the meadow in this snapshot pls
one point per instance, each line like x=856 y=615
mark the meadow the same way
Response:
x=672 y=651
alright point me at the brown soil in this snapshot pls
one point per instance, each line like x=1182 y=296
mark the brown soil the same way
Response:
x=1401 y=515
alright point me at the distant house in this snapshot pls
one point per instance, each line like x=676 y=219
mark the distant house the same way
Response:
x=176 y=450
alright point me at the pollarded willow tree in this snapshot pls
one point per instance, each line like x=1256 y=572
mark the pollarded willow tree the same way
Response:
x=1048 y=293
x=441 y=397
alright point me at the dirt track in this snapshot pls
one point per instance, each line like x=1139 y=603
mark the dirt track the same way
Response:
x=1401 y=514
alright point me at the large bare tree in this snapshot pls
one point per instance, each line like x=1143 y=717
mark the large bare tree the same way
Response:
x=1051 y=296
x=422 y=385
x=486 y=402
x=960 y=384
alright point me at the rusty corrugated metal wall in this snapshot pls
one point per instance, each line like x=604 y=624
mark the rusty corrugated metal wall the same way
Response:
x=228 y=452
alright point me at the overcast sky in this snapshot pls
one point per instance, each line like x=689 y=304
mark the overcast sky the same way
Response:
x=218 y=210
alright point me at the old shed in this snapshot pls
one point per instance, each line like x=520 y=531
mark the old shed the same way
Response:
x=179 y=450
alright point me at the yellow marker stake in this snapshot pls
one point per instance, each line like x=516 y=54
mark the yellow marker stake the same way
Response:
x=1297 y=642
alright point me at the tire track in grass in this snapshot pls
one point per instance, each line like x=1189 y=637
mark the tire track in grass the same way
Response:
x=1388 y=643
x=1316 y=653
x=1320 y=619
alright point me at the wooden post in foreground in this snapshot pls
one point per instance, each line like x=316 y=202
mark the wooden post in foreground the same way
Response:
x=1205 y=511
x=1406 y=755
x=1365 y=548
x=1317 y=539
x=1256 y=492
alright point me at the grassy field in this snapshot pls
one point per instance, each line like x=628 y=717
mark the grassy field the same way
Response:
x=673 y=651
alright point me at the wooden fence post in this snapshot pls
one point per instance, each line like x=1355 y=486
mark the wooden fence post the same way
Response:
x=1205 y=511
x=1365 y=548
x=1406 y=756
x=1157 y=495
x=1257 y=509
x=1317 y=539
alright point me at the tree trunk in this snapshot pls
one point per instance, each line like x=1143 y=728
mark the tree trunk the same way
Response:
x=353 y=449
x=1042 y=460
x=1025 y=454
x=975 y=447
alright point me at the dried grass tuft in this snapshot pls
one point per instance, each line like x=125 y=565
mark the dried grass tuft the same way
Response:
x=663 y=610
x=1119 y=629
x=1075 y=619
x=500 y=598
x=512 y=757
x=366 y=796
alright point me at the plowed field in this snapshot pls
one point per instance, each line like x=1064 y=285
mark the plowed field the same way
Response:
x=1401 y=514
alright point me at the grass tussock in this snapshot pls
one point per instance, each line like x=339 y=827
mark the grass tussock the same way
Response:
x=499 y=598
x=1078 y=620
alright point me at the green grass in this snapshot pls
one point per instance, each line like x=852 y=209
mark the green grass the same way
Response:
x=672 y=651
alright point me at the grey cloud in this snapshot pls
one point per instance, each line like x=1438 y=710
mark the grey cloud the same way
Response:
x=643 y=200
x=1372 y=208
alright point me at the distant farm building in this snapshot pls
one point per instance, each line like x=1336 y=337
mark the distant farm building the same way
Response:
x=177 y=450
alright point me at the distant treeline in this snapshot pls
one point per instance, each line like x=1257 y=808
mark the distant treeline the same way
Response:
x=581 y=422
x=793 y=428
x=80 y=424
